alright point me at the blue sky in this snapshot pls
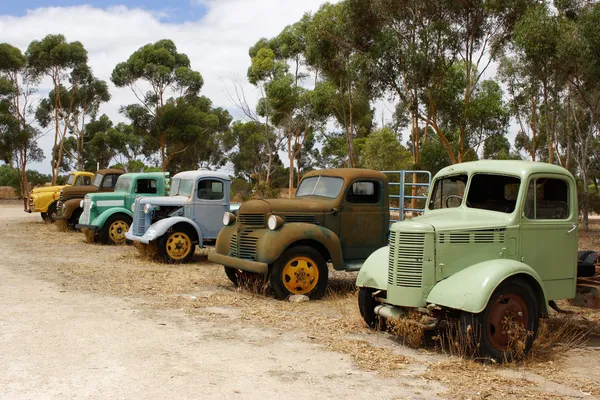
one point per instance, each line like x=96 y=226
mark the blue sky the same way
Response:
x=174 y=11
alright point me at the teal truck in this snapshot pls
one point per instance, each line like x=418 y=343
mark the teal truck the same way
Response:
x=495 y=246
x=107 y=216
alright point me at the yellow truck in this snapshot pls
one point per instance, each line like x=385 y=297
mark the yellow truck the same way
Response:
x=44 y=199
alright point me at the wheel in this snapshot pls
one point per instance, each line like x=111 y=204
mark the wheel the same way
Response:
x=114 y=229
x=74 y=220
x=511 y=316
x=51 y=214
x=176 y=246
x=300 y=270
x=239 y=277
x=366 y=306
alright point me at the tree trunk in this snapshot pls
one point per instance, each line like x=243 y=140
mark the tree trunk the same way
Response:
x=350 y=131
x=548 y=132
x=55 y=163
x=291 y=159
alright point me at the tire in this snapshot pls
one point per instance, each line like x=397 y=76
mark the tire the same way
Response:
x=240 y=278
x=74 y=220
x=51 y=214
x=366 y=306
x=485 y=329
x=114 y=228
x=307 y=265
x=168 y=245
x=44 y=216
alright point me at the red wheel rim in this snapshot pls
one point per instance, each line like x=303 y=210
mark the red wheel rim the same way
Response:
x=507 y=313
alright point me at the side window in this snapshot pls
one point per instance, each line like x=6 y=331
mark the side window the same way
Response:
x=210 y=189
x=146 y=186
x=547 y=198
x=365 y=192
x=87 y=181
x=110 y=181
x=79 y=181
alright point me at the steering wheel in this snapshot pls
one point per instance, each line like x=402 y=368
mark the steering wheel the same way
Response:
x=453 y=196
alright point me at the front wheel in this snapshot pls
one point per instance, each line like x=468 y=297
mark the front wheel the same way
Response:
x=51 y=214
x=114 y=229
x=506 y=328
x=300 y=270
x=176 y=246
x=366 y=306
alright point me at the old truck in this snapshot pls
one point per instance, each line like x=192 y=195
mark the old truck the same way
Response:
x=338 y=216
x=108 y=216
x=68 y=207
x=190 y=216
x=496 y=243
x=44 y=199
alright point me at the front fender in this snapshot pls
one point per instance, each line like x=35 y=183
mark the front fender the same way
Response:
x=102 y=218
x=374 y=271
x=70 y=206
x=471 y=288
x=159 y=228
x=274 y=243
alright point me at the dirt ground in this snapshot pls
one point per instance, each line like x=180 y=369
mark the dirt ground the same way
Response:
x=80 y=320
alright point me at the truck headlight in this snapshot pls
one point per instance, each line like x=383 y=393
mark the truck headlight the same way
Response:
x=132 y=207
x=228 y=218
x=274 y=222
x=148 y=208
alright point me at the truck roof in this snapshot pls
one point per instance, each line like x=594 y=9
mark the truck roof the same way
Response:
x=511 y=167
x=110 y=171
x=348 y=173
x=133 y=175
x=202 y=174
x=81 y=173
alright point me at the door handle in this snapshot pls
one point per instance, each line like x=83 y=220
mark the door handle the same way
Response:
x=573 y=228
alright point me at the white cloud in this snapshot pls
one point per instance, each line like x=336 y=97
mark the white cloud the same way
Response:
x=217 y=44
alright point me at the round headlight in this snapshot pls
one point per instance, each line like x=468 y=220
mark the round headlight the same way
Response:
x=132 y=207
x=228 y=219
x=274 y=222
x=148 y=208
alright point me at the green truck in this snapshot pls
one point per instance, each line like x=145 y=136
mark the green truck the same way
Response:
x=108 y=216
x=496 y=244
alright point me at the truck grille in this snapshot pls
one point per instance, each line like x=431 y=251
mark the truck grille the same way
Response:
x=86 y=210
x=405 y=266
x=61 y=196
x=244 y=248
x=256 y=220
x=309 y=219
x=139 y=219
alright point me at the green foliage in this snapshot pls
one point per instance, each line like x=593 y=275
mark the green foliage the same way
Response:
x=53 y=55
x=382 y=151
x=10 y=177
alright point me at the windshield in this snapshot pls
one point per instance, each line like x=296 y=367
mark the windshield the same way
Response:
x=323 y=186
x=182 y=187
x=123 y=185
x=97 y=180
x=448 y=192
x=71 y=179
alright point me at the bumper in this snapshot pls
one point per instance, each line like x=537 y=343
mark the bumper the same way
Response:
x=142 y=239
x=93 y=228
x=28 y=205
x=234 y=262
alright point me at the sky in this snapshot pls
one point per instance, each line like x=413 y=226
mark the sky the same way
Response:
x=215 y=34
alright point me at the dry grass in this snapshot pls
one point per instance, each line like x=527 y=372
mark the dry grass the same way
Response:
x=90 y=236
x=7 y=192
x=62 y=225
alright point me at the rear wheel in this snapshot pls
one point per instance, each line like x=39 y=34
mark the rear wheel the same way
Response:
x=176 y=246
x=114 y=229
x=366 y=306
x=506 y=328
x=300 y=270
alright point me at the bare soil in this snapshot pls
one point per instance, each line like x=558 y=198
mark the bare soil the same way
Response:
x=82 y=320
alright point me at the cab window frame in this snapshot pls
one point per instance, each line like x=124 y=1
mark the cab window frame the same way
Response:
x=378 y=191
x=533 y=180
x=213 y=181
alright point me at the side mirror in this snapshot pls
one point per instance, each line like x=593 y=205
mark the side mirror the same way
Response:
x=334 y=210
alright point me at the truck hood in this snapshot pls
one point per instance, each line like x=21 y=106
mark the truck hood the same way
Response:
x=165 y=200
x=107 y=196
x=48 y=189
x=464 y=220
x=309 y=204
x=78 y=191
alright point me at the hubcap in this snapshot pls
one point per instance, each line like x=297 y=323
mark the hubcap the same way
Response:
x=300 y=275
x=178 y=245
x=507 y=316
x=117 y=230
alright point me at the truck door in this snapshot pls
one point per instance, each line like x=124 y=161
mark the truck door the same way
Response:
x=363 y=225
x=549 y=233
x=209 y=206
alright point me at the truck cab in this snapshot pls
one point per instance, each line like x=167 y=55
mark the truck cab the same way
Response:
x=69 y=201
x=44 y=199
x=338 y=216
x=496 y=243
x=191 y=215
x=108 y=216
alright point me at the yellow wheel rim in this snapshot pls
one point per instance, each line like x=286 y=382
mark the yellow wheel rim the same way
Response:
x=300 y=275
x=178 y=245
x=116 y=231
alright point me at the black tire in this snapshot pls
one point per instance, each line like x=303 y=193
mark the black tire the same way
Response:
x=51 y=215
x=105 y=237
x=168 y=244
x=313 y=273
x=74 y=220
x=44 y=216
x=366 y=306
x=240 y=278
x=487 y=335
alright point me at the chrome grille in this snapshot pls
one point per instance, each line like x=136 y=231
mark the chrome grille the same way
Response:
x=257 y=220
x=61 y=196
x=406 y=260
x=392 y=258
x=139 y=219
x=244 y=248
x=86 y=210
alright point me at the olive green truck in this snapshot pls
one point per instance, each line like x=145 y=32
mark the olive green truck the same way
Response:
x=496 y=243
